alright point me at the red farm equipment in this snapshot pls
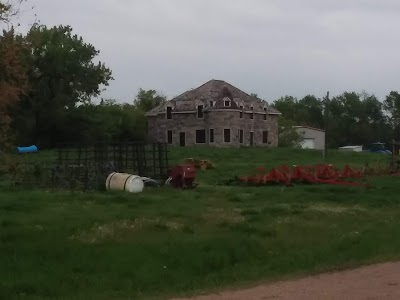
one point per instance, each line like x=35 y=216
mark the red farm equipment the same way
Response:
x=182 y=176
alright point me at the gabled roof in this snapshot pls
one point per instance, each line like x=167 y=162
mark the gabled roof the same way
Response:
x=309 y=127
x=213 y=90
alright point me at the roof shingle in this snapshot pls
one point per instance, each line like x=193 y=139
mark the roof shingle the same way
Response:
x=214 y=90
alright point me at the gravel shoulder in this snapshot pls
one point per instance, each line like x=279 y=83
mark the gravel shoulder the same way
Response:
x=380 y=281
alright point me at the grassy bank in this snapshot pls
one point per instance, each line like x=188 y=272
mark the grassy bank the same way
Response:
x=164 y=242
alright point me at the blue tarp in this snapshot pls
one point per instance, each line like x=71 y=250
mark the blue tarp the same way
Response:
x=30 y=149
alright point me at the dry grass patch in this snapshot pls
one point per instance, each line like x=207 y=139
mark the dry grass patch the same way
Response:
x=121 y=229
x=336 y=209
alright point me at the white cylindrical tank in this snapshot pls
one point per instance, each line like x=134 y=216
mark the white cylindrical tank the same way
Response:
x=124 y=182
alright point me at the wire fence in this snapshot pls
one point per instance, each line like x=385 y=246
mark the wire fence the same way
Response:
x=87 y=167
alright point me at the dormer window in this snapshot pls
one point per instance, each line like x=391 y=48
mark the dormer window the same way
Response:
x=227 y=103
x=211 y=103
x=265 y=115
x=241 y=111
x=169 y=113
x=200 y=113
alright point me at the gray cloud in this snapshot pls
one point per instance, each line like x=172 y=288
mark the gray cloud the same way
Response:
x=273 y=47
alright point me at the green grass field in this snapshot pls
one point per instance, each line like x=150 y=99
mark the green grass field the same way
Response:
x=164 y=242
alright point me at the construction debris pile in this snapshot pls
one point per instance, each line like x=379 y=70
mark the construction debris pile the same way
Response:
x=322 y=174
x=199 y=163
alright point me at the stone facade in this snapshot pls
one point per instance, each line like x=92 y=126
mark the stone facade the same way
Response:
x=203 y=117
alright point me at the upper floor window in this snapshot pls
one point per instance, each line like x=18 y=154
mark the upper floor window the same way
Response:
x=241 y=111
x=169 y=113
x=265 y=115
x=200 y=113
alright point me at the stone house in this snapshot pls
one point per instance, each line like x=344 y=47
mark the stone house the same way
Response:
x=215 y=114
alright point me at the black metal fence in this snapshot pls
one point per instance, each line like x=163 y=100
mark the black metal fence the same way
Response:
x=87 y=167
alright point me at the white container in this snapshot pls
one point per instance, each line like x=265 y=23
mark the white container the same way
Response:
x=351 y=148
x=124 y=182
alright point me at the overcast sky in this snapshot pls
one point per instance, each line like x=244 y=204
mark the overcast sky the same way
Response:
x=268 y=47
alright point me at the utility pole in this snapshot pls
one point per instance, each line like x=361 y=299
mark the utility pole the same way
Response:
x=325 y=153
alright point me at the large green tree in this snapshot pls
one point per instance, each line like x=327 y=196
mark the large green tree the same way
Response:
x=392 y=107
x=146 y=100
x=13 y=81
x=62 y=74
x=13 y=77
x=288 y=136
x=106 y=122
x=356 y=119
x=287 y=105
x=305 y=112
x=310 y=112
x=349 y=118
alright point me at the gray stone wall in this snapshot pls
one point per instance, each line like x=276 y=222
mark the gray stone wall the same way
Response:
x=152 y=129
x=217 y=120
x=258 y=125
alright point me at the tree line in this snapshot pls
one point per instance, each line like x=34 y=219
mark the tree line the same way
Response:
x=50 y=76
x=349 y=119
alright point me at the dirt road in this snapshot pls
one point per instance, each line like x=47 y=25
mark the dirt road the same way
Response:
x=380 y=281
